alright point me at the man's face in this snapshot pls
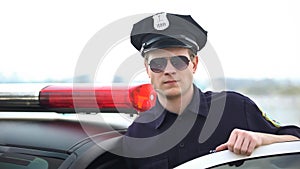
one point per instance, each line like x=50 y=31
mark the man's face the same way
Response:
x=170 y=81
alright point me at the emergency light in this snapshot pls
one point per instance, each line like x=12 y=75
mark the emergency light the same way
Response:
x=94 y=99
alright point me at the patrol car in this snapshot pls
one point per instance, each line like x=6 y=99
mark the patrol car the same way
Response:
x=63 y=126
x=66 y=126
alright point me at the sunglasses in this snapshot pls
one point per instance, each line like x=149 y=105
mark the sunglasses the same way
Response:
x=158 y=65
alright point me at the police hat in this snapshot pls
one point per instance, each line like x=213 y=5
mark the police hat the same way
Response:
x=164 y=30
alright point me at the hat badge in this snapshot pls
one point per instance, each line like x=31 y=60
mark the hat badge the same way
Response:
x=160 y=21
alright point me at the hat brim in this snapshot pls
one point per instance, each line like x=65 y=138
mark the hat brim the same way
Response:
x=162 y=43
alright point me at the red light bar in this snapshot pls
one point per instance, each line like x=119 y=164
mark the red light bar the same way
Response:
x=142 y=97
x=107 y=98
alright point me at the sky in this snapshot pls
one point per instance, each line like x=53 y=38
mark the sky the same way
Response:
x=251 y=38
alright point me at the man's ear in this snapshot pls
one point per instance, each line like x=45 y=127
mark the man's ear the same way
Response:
x=147 y=68
x=195 y=63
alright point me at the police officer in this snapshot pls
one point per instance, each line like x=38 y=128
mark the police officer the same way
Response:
x=186 y=123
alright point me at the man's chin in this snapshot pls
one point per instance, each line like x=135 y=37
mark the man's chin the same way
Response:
x=172 y=93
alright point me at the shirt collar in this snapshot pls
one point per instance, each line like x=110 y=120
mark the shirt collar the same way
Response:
x=198 y=105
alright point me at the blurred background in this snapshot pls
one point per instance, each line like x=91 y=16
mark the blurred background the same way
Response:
x=255 y=42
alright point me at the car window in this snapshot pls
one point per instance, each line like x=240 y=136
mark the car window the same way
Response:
x=288 y=161
x=22 y=161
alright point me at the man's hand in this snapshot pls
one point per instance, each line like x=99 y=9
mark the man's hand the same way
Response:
x=241 y=142
x=244 y=142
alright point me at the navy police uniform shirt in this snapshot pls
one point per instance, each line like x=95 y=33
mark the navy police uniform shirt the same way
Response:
x=162 y=139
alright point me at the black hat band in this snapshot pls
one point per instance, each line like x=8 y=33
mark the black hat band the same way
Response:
x=178 y=41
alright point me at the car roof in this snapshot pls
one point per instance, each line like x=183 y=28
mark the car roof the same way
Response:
x=226 y=156
x=59 y=135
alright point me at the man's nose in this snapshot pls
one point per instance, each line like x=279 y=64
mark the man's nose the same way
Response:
x=170 y=69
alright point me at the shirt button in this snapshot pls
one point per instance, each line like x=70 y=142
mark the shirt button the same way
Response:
x=181 y=145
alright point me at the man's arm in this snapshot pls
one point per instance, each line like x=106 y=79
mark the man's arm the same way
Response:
x=244 y=142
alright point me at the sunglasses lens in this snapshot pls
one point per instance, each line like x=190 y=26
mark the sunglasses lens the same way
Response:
x=180 y=62
x=158 y=65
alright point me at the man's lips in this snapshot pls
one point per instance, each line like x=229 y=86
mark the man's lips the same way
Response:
x=170 y=81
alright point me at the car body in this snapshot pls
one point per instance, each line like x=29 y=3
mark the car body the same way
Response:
x=273 y=156
x=56 y=143
x=42 y=128
x=57 y=127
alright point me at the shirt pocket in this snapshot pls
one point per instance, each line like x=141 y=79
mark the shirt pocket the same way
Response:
x=157 y=164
